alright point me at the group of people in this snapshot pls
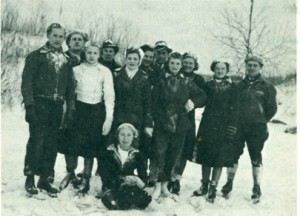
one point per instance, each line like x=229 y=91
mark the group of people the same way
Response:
x=138 y=117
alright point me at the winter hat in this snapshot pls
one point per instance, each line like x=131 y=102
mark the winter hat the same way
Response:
x=109 y=44
x=161 y=45
x=146 y=48
x=254 y=58
x=84 y=36
x=129 y=126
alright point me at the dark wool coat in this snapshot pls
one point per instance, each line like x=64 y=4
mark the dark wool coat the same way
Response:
x=256 y=102
x=112 y=66
x=213 y=148
x=170 y=95
x=189 y=143
x=133 y=100
x=47 y=75
x=113 y=170
x=153 y=72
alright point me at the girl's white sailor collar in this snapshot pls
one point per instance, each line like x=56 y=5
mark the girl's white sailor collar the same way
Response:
x=112 y=147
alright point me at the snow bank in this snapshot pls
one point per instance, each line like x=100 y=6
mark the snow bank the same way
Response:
x=278 y=187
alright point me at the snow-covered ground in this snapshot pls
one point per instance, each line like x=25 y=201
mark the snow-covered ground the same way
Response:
x=279 y=186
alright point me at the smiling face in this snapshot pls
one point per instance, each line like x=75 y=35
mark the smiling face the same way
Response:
x=132 y=61
x=56 y=37
x=92 y=54
x=174 y=65
x=220 y=70
x=148 y=58
x=188 y=65
x=253 y=68
x=76 y=42
x=125 y=137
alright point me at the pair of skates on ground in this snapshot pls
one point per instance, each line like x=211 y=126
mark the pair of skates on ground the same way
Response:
x=79 y=182
x=211 y=190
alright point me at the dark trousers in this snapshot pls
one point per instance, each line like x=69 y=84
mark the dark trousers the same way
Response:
x=167 y=148
x=254 y=135
x=41 y=149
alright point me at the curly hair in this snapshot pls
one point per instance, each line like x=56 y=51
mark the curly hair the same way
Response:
x=55 y=25
x=189 y=55
x=133 y=51
x=214 y=63
x=69 y=36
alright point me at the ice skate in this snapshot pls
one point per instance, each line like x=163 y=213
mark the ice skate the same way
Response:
x=203 y=190
x=30 y=186
x=157 y=191
x=226 y=189
x=212 y=193
x=174 y=187
x=256 y=194
x=44 y=185
x=69 y=178
x=51 y=178
x=85 y=186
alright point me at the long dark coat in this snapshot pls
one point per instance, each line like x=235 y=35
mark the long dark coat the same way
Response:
x=133 y=100
x=189 y=143
x=213 y=148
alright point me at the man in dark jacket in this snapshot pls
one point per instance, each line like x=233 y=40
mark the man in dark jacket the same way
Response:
x=147 y=62
x=108 y=53
x=47 y=81
x=255 y=106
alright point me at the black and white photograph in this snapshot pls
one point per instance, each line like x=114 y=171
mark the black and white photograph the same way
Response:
x=157 y=107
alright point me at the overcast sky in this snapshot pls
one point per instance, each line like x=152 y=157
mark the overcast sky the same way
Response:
x=181 y=23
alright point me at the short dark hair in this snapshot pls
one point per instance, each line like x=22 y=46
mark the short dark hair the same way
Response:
x=54 y=25
x=214 y=63
x=133 y=50
x=84 y=36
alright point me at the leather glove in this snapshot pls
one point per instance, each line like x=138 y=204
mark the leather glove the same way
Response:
x=231 y=132
x=106 y=127
x=189 y=106
x=30 y=115
x=149 y=131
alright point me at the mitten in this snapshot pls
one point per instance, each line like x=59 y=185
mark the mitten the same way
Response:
x=30 y=115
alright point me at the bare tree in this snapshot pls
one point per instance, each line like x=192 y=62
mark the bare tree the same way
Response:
x=245 y=32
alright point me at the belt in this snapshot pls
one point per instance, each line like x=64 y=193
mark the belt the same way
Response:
x=54 y=97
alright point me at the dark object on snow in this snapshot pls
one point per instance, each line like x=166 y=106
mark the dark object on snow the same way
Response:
x=276 y=121
x=126 y=197
x=291 y=130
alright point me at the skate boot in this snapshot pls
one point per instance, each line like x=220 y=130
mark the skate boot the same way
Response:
x=227 y=188
x=212 y=193
x=85 y=185
x=30 y=186
x=256 y=194
x=174 y=187
x=44 y=185
x=203 y=190
x=69 y=178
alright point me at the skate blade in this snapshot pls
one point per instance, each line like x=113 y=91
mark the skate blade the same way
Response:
x=52 y=195
x=255 y=200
